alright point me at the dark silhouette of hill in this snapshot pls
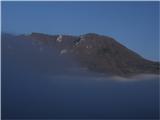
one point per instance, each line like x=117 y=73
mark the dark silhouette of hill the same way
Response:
x=98 y=53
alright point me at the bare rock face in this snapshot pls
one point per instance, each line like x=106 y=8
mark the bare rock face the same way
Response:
x=99 y=53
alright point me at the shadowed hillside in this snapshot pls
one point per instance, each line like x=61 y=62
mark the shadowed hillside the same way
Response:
x=98 y=53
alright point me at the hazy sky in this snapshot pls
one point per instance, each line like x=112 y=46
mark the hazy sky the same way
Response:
x=134 y=24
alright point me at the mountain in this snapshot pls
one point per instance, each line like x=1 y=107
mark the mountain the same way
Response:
x=98 y=53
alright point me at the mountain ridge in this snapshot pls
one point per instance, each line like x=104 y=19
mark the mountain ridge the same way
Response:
x=99 y=53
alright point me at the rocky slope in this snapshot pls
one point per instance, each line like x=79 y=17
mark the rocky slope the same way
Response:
x=98 y=53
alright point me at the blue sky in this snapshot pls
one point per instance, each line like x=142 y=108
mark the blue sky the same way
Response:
x=134 y=24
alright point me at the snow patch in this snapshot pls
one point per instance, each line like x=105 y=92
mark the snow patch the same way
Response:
x=79 y=40
x=63 y=51
x=82 y=38
x=59 y=38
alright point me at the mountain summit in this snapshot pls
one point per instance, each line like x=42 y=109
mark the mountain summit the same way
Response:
x=99 y=53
